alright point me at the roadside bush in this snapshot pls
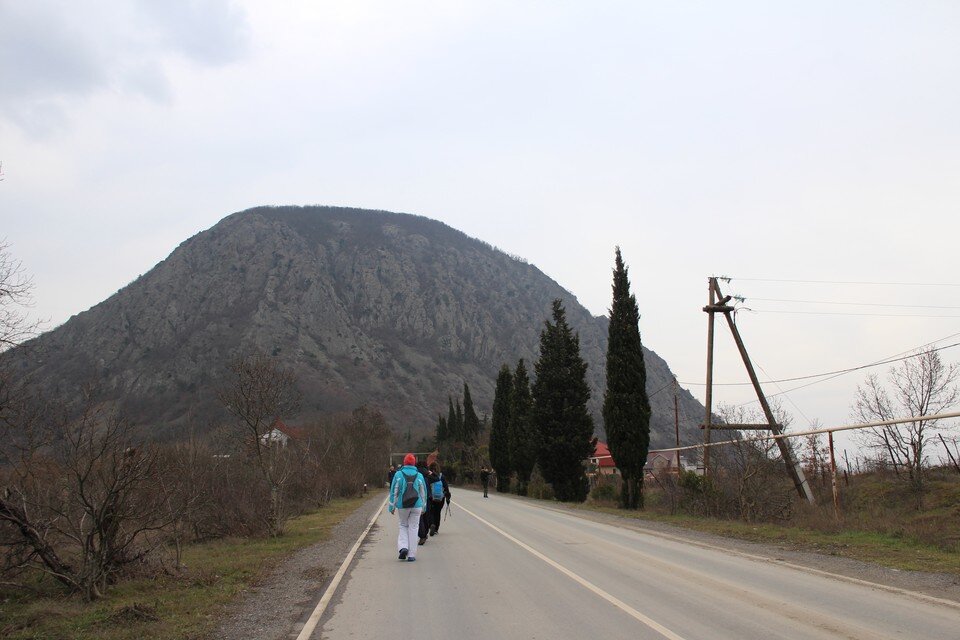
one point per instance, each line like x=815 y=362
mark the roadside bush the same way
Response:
x=604 y=492
x=538 y=487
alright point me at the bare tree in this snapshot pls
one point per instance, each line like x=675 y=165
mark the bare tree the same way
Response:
x=15 y=296
x=260 y=391
x=920 y=385
x=78 y=498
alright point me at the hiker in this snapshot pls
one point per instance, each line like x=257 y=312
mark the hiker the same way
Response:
x=438 y=492
x=408 y=497
x=485 y=479
x=423 y=526
x=390 y=473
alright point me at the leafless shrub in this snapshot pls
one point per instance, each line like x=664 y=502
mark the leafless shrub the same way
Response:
x=78 y=499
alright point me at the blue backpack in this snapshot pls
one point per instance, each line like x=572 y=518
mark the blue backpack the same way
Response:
x=410 y=493
x=436 y=489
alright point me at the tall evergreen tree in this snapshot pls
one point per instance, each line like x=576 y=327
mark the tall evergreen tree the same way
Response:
x=522 y=436
x=461 y=436
x=560 y=395
x=626 y=408
x=441 y=430
x=453 y=427
x=499 y=429
x=470 y=423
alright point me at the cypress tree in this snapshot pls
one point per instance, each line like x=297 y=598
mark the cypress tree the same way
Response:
x=441 y=430
x=470 y=421
x=522 y=436
x=560 y=395
x=499 y=429
x=626 y=408
x=461 y=436
x=453 y=427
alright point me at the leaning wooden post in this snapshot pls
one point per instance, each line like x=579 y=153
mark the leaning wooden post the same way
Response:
x=796 y=473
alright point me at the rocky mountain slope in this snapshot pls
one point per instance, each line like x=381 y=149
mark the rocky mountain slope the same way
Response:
x=390 y=310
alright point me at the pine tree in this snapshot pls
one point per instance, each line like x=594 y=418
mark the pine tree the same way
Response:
x=461 y=436
x=560 y=395
x=470 y=423
x=522 y=436
x=626 y=408
x=499 y=429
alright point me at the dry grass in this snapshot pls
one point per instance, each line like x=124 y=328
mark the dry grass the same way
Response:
x=882 y=522
x=169 y=607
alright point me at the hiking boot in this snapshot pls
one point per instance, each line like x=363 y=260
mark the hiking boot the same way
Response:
x=422 y=542
x=403 y=554
x=433 y=530
x=411 y=559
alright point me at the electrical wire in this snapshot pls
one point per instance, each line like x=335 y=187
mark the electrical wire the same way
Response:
x=853 y=304
x=842 y=313
x=858 y=282
x=842 y=371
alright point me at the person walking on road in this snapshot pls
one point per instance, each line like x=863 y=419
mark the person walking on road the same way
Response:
x=439 y=492
x=408 y=497
x=485 y=479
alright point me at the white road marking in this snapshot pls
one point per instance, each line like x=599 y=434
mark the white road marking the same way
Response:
x=311 y=623
x=623 y=606
x=586 y=517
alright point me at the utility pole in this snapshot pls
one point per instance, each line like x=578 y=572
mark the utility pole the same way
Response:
x=676 y=422
x=718 y=304
x=708 y=401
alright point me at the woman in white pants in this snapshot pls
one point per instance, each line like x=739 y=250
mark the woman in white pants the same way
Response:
x=408 y=497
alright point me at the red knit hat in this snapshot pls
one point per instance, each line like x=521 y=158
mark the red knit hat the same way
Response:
x=410 y=459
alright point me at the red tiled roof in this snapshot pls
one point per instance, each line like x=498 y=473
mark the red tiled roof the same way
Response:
x=602 y=453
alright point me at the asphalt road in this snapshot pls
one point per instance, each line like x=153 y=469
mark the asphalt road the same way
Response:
x=504 y=568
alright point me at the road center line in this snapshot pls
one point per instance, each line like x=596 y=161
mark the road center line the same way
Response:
x=623 y=606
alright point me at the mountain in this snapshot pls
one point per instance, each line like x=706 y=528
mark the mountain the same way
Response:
x=390 y=310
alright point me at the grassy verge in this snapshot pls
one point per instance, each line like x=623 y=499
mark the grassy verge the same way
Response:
x=169 y=607
x=887 y=549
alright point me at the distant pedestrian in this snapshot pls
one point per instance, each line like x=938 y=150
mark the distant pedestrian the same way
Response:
x=408 y=497
x=390 y=474
x=485 y=479
x=439 y=492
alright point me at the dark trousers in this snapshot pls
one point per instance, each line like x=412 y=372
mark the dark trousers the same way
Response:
x=435 y=509
x=424 y=528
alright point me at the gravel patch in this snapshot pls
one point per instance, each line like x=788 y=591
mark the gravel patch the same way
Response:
x=278 y=606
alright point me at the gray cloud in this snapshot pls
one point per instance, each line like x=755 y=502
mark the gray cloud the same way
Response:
x=52 y=53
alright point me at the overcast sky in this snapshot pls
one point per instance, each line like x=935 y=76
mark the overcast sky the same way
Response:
x=813 y=141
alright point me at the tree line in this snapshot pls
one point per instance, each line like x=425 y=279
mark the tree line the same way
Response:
x=544 y=427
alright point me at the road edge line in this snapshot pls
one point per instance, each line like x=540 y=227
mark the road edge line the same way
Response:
x=311 y=624
x=917 y=595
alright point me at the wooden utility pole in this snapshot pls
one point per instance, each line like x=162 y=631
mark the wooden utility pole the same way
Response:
x=718 y=304
x=708 y=400
x=676 y=421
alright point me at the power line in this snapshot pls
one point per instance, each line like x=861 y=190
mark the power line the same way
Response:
x=858 y=282
x=842 y=313
x=853 y=304
x=888 y=360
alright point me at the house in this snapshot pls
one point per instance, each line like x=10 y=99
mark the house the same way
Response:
x=280 y=434
x=601 y=462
